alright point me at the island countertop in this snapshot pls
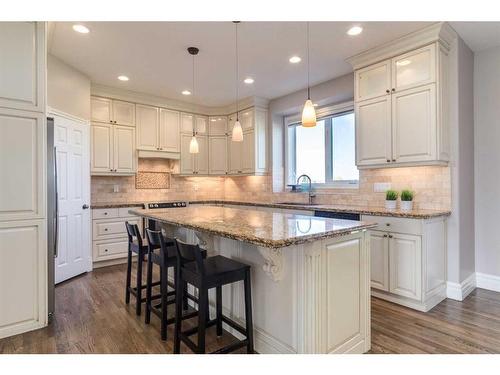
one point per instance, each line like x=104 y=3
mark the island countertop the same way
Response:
x=262 y=228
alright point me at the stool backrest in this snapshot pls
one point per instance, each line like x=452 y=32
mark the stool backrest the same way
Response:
x=189 y=253
x=133 y=233
x=156 y=240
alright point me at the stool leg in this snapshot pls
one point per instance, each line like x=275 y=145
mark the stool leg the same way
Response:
x=149 y=282
x=138 y=300
x=129 y=272
x=248 y=312
x=164 y=291
x=178 y=315
x=218 y=309
x=202 y=318
x=185 y=295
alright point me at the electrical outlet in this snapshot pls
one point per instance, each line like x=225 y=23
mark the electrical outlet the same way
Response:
x=381 y=187
x=116 y=188
x=195 y=187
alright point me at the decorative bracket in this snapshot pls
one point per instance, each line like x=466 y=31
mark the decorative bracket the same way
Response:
x=273 y=265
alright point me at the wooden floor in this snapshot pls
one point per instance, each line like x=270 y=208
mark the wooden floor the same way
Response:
x=91 y=317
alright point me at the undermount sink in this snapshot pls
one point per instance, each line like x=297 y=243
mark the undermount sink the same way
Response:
x=298 y=204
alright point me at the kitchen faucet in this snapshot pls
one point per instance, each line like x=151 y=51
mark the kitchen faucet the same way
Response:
x=311 y=195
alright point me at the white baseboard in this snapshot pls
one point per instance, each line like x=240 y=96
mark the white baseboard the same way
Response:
x=489 y=282
x=460 y=291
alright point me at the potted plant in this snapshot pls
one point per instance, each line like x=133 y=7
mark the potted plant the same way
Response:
x=391 y=199
x=407 y=200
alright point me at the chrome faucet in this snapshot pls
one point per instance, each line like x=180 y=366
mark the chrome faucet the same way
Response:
x=311 y=194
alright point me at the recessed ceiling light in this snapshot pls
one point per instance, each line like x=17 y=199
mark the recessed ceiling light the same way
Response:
x=295 y=59
x=248 y=80
x=186 y=92
x=403 y=62
x=355 y=30
x=123 y=78
x=81 y=29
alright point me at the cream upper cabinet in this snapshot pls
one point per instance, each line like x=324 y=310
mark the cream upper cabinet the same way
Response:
x=247 y=119
x=405 y=265
x=373 y=131
x=22 y=65
x=169 y=132
x=201 y=158
x=147 y=127
x=248 y=152
x=102 y=148
x=407 y=123
x=217 y=151
x=235 y=150
x=201 y=125
x=414 y=124
x=373 y=81
x=379 y=260
x=187 y=159
x=112 y=111
x=123 y=113
x=187 y=123
x=124 y=149
x=217 y=125
x=414 y=68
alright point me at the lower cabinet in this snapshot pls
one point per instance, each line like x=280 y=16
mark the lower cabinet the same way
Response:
x=110 y=241
x=408 y=260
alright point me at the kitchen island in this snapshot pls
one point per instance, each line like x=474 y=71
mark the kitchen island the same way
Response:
x=310 y=275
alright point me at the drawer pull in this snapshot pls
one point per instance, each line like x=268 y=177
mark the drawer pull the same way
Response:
x=105 y=229
x=105 y=213
x=390 y=235
x=105 y=250
x=387 y=224
x=385 y=235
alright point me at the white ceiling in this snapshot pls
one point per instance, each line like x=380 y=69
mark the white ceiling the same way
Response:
x=478 y=35
x=154 y=56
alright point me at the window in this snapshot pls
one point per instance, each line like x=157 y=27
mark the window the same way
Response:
x=326 y=153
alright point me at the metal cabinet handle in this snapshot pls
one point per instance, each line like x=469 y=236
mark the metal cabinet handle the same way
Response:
x=390 y=235
x=385 y=235
x=105 y=213
x=105 y=250
x=105 y=229
x=393 y=90
x=387 y=224
x=393 y=159
x=388 y=91
x=388 y=160
x=85 y=206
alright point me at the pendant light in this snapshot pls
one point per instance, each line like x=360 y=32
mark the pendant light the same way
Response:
x=237 y=135
x=193 y=145
x=308 y=113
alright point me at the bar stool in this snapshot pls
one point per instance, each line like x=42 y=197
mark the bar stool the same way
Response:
x=164 y=258
x=205 y=274
x=135 y=245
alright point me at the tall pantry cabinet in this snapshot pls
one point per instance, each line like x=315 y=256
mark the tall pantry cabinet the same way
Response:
x=23 y=222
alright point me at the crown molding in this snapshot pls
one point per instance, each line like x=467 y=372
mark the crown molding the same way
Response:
x=159 y=101
x=439 y=32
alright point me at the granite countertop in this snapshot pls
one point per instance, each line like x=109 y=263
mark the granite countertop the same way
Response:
x=115 y=204
x=262 y=228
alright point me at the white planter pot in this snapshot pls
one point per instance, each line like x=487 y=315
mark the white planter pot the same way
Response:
x=406 y=205
x=391 y=205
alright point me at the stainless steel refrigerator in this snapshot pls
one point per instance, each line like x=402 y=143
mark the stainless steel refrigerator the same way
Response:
x=52 y=212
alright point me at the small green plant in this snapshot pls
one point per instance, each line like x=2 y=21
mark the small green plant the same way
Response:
x=407 y=195
x=391 y=195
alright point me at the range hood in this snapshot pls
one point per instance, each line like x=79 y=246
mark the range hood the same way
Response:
x=158 y=155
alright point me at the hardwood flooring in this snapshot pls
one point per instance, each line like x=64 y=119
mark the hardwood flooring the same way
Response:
x=92 y=317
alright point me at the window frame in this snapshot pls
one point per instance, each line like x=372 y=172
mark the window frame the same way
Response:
x=321 y=113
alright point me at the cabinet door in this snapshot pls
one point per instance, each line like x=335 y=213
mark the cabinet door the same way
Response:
x=217 y=125
x=373 y=81
x=415 y=68
x=414 y=124
x=169 y=131
x=405 y=256
x=201 y=125
x=379 y=260
x=217 y=151
x=147 y=127
x=124 y=149
x=247 y=119
x=373 y=131
x=187 y=123
x=235 y=156
x=22 y=65
x=101 y=160
x=187 y=160
x=101 y=109
x=123 y=113
x=248 y=152
x=201 y=159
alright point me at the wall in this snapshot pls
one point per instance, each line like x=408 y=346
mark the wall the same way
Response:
x=487 y=159
x=68 y=90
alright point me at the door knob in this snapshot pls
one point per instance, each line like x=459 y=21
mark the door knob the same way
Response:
x=85 y=206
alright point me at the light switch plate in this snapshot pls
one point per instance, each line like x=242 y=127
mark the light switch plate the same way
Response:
x=381 y=187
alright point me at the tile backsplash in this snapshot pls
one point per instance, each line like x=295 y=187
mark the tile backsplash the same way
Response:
x=431 y=186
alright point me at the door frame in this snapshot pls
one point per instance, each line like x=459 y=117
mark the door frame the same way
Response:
x=54 y=112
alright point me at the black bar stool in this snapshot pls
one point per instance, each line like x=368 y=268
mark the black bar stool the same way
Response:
x=161 y=251
x=205 y=274
x=135 y=245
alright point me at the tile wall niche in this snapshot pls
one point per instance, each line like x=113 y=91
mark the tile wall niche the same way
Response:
x=431 y=186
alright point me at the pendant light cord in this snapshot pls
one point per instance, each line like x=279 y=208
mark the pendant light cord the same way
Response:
x=194 y=121
x=308 y=84
x=237 y=71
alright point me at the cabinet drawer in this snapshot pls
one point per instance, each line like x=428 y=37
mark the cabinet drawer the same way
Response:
x=395 y=224
x=110 y=249
x=105 y=213
x=112 y=228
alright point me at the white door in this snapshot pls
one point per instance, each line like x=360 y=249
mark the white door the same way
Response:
x=414 y=124
x=415 y=68
x=379 y=260
x=405 y=259
x=147 y=127
x=169 y=131
x=373 y=131
x=124 y=149
x=74 y=255
x=218 y=155
x=373 y=81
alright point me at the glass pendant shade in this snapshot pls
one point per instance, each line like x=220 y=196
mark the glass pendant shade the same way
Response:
x=308 y=115
x=193 y=146
x=237 y=132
